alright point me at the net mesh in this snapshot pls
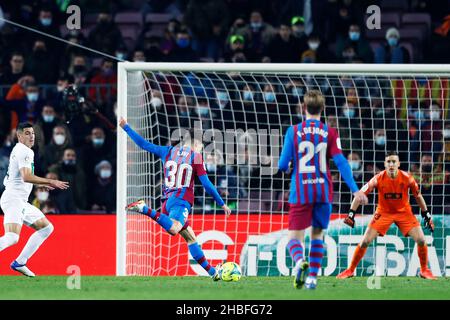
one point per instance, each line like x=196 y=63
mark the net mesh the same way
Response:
x=242 y=118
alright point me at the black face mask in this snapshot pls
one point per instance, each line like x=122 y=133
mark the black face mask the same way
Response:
x=69 y=167
x=79 y=69
x=427 y=167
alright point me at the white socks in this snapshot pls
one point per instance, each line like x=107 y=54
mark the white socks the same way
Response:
x=34 y=243
x=8 y=239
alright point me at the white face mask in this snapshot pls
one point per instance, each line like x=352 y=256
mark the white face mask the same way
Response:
x=313 y=45
x=156 y=102
x=211 y=167
x=446 y=133
x=435 y=115
x=105 y=173
x=42 y=196
x=60 y=88
x=59 y=139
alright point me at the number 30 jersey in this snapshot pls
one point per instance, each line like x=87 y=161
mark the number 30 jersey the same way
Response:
x=181 y=166
x=310 y=145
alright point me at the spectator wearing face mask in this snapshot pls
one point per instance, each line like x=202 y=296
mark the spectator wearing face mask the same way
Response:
x=97 y=148
x=100 y=92
x=208 y=21
x=55 y=96
x=47 y=23
x=182 y=51
x=69 y=169
x=224 y=177
x=285 y=47
x=102 y=191
x=57 y=197
x=235 y=45
x=41 y=63
x=350 y=126
x=106 y=35
x=184 y=117
x=247 y=116
x=224 y=108
x=25 y=101
x=358 y=42
x=258 y=35
x=432 y=179
x=41 y=196
x=43 y=129
x=54 y=151
x=139 y=56
x=391 y=51
x=78 y=69
x=204 y=113
x=321 y=52
x=431 y=133
x=15 y=71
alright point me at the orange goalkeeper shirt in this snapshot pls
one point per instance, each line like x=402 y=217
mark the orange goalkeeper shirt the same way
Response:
x=393 y=194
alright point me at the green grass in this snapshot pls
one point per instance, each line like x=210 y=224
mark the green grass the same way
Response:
x=202 y=288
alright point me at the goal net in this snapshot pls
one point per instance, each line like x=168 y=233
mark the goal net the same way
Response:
x=241 y=113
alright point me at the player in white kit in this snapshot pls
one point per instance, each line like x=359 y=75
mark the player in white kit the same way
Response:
x=18 y=183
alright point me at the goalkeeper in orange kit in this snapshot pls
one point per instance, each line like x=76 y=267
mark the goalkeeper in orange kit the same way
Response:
x=393 y=207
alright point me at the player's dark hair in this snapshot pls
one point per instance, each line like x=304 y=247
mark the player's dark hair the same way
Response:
x=23 y=125
x=391 y=153
x=314 y=102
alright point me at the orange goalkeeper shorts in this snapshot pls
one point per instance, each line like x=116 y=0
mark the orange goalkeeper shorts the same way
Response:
x=381 y=222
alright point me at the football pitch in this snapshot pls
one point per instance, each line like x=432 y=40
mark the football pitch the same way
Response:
x=202 y=288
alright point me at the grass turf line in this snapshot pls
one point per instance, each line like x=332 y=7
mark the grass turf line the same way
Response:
x=203 y=288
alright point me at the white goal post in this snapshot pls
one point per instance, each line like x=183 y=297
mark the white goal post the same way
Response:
x=364 y=101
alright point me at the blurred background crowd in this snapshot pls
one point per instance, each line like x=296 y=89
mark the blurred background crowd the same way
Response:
x=35 y=70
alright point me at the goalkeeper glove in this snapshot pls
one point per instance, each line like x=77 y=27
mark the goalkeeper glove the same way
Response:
x=350 y=219
x=427 y=219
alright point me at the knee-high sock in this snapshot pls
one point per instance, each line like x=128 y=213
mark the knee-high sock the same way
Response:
x=8 y=240
x=422 y=252
x=315 y=257
x=161 y=219
x=34 y=243
x=357 y=256
x=199 y=256
x=295 y=250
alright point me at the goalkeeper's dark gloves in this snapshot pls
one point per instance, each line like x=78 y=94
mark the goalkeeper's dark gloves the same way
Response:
x=426 y=215
x=350 y=219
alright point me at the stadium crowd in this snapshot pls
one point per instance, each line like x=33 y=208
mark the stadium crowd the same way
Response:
x=35 y=70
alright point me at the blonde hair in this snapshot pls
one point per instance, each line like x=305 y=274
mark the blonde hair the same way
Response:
x=314 y=102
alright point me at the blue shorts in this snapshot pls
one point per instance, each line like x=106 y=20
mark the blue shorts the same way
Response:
x=177 y=209
x=301 y=216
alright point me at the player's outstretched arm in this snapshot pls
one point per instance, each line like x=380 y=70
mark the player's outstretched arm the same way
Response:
x=141 y=142
x=29 y=177
x=346 y=173
x=210 y=189
x=286 y=153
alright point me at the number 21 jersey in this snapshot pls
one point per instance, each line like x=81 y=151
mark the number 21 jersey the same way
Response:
x=310 y=145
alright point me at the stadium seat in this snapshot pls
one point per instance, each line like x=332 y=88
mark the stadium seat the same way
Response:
x=376 y=34
x=412 y=34
x=129 y=20
x=409 y=19
x=158 y=18
x=390 y=19
x=401 y=5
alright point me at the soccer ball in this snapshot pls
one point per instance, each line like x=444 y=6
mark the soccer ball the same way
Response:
x=230 y=271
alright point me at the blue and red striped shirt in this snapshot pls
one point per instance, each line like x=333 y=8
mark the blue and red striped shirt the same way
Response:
x=310 y=144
